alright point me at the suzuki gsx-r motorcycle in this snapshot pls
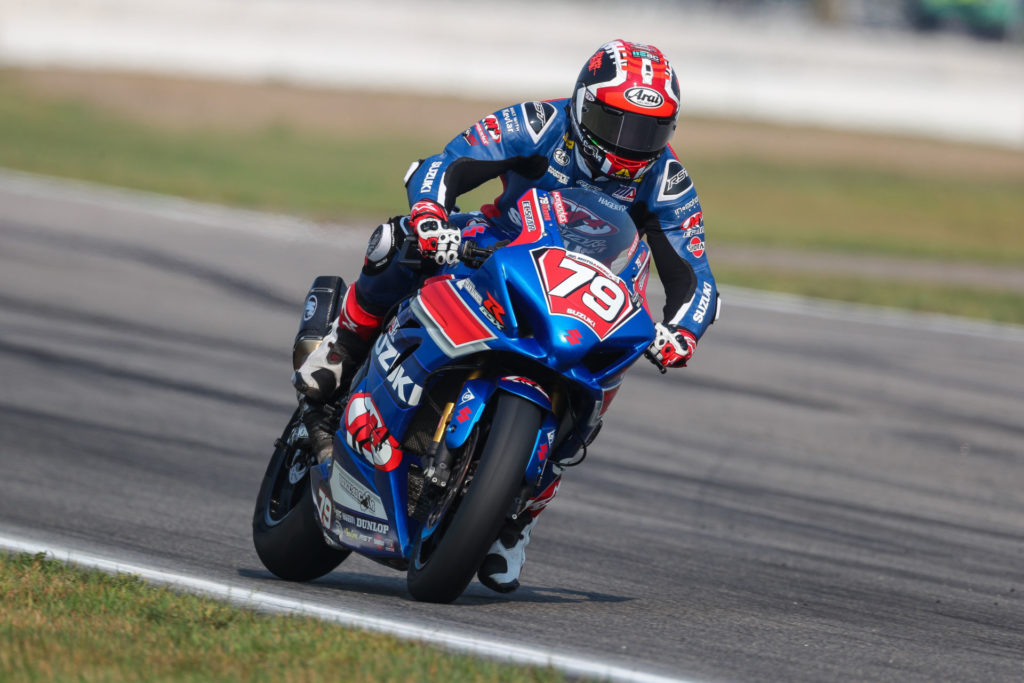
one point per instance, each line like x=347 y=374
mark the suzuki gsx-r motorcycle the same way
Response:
x=496 y=370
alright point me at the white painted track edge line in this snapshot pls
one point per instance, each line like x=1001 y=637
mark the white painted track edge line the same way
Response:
x=265 y=601
x=295 y=229
x=831 y=309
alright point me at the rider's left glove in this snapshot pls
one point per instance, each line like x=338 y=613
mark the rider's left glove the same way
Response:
x=672 y=346
x=438 y=239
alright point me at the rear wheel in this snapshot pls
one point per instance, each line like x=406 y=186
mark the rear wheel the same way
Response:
x=444 y=562
x=285 y=530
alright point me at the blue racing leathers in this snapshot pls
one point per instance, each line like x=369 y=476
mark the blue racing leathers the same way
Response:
x=530 y=145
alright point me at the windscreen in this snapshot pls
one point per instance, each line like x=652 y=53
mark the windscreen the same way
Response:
x=597 y=226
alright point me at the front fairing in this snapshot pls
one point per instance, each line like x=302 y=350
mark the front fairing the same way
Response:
x=518 y=304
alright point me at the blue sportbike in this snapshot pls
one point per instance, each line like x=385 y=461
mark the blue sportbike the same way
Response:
x=485 y=382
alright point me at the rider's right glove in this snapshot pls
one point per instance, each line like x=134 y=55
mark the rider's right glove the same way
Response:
x=672 y=346
x=438 y=239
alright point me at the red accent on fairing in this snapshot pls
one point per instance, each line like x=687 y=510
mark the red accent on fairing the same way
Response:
x=536 y=505
x=452 y=315
x=496 y=309
x=602 y=317
x=609 y=396
x=438 y=278
x=355 y=318
x=641 y=280
x=368 y=433
x=530 y=217
x=474 y=230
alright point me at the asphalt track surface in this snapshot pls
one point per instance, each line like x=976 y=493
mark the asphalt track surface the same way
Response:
x=819 y=497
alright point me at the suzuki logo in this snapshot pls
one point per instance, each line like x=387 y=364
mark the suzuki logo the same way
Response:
x=573 y=336
x=406 y=390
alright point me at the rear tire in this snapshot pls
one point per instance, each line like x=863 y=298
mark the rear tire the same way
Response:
x=285 y=531
x=440 y=569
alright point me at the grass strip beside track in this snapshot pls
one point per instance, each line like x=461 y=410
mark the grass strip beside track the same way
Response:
x=61 y=623
x=805 y=193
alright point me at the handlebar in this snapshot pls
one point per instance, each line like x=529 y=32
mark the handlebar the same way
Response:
x=469 y=254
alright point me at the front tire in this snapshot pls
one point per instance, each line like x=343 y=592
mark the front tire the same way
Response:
x=285 y=530
x=440 y=569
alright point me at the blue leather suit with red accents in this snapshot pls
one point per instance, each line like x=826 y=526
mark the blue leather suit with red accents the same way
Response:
x=531 y=145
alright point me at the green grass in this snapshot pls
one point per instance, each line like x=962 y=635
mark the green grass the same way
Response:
x=868 y=211
x=64 y=623
x=276 y=168
x=787 y=204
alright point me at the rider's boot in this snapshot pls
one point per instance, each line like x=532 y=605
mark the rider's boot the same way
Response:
x=320 y=377
x=505 y=558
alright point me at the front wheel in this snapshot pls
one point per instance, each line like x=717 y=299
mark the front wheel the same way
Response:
x=444 y=562
x=285 y=530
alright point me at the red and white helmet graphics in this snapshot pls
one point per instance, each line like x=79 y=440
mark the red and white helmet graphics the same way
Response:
x=624 y=108
x=633 y=78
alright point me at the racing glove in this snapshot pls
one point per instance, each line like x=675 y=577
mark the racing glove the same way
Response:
x=672 y=346
x=438 y=239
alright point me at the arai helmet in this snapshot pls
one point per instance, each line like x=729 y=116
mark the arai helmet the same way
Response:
x=624 y=109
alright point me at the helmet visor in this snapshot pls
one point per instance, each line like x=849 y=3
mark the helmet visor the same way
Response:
x=629 y=134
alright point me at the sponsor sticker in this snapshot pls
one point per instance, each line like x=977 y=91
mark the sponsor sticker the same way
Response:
x=350 y=493
x=702 y=305
x=365 y=433
x=693 y=222
x=324 y=506
x=647 y=98
x=560 y=213
x=492 y=127
x=696 y=246
x=626 y=194
x=481 y=134
x=558 y=175
x=511 y=120
x=310 y=309
x=582 y=288
x=428 y=180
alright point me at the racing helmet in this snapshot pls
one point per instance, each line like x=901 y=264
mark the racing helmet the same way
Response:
x=624 y=109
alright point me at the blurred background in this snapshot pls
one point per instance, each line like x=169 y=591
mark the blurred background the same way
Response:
x=864 y=150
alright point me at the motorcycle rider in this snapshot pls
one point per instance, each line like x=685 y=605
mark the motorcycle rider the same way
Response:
x=610 y=136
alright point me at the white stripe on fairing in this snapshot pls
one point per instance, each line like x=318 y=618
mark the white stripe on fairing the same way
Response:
x=292 y=228
x=265 y=601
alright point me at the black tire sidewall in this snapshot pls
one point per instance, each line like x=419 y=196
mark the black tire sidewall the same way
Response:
x=293 y=547
x=480 y=515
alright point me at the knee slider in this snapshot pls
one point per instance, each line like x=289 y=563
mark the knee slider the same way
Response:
x=383 y=245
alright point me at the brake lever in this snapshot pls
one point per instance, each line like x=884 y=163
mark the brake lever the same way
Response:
x=474 y=256
x=650 y=356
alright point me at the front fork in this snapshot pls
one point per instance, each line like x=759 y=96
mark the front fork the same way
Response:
x=462 y=416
